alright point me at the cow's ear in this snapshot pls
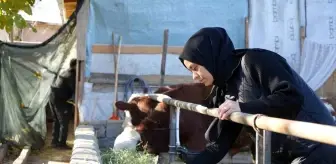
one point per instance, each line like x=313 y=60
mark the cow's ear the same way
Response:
x=124 y=105
x=162 y=107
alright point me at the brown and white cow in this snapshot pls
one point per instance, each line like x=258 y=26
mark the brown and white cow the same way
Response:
x=151 y=119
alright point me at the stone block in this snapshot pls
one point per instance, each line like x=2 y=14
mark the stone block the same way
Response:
x=107 y=142
x=114 y=128
x=86 y=148
x=84 y=129
x=100 y=128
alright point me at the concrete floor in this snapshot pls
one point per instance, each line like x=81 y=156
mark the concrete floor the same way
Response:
x=48 y=155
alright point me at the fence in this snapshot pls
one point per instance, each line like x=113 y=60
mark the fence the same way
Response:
x=263 y=125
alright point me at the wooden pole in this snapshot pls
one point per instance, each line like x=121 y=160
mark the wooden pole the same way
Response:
x=247 y=24
x=164 y=56
x=116 y=70
x=76 y=95
x=246 y=32
x=79 y=87
x=311 y=131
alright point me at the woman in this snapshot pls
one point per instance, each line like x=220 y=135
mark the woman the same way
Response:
x=262 y=83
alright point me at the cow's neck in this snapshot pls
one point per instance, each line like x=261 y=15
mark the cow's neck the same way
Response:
x=208 y=92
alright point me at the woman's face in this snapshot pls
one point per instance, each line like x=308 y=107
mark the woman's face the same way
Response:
x=200 y=74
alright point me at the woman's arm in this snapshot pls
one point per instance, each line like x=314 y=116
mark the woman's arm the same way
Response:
x=216 y=150
x=271 y=73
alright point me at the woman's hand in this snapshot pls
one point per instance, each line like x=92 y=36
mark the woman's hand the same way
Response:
x=227 y=108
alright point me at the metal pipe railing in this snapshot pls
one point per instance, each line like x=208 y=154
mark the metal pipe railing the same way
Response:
x=316 y=132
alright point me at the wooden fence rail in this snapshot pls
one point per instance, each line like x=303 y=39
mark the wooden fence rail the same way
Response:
x=311 y=131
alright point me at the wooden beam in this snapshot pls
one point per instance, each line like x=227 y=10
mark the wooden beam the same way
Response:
x=153 y=80
x=164 y=56
x=302 y=37
x=135 y=49
x=80 y=68
x=69 y=8
x=246 y=32
x=81 y=29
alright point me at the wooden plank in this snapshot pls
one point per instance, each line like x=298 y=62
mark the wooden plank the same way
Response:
x=79 y=89
x=81 y=29
x=69 y=8
x=135 y=49
x=153 y=80
x=116 y=72
x=246 y=32
x=164 y=56
x=302 y=37
x=76 y=113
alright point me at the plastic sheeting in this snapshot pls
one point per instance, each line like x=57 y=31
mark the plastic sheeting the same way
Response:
x=275 y=25
x=47 y=11
x=143 y=22
x=26 y=73
x=96 y=105
x=318 y=59
x=321 y=26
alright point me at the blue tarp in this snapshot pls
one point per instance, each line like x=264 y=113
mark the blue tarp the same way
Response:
x=143 y=22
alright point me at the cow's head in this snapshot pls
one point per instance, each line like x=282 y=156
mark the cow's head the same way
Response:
x=151 y=121
x=151 y=118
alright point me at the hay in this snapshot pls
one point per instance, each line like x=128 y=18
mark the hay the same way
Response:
x=110 y=156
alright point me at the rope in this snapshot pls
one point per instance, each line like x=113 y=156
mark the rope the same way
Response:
x=256 y=129
x=129 y=86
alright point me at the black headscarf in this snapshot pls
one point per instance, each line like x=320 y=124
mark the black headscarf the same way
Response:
x=212 y=48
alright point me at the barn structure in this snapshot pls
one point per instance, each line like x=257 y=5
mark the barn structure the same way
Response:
x=294 y=29
x=154 y=32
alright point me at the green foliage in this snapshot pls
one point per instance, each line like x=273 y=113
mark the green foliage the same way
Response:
x=110 y=156
x=9 y=16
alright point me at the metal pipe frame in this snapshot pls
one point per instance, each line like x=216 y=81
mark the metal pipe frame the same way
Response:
x=317 y=132
x=172 y=138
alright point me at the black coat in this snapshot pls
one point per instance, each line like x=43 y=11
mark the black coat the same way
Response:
x=64 y=88
x=261 y=88
x=263 y=83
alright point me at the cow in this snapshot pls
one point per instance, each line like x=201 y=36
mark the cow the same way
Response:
x=330 y=103
x=151 y=119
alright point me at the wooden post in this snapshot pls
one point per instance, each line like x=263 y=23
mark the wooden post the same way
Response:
x=76 y=94
x=247 y=32
x=79 y=89
x=116 y=70
x=81 y=28
x=247 y=24
x=302 y=37
x=164 y=56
